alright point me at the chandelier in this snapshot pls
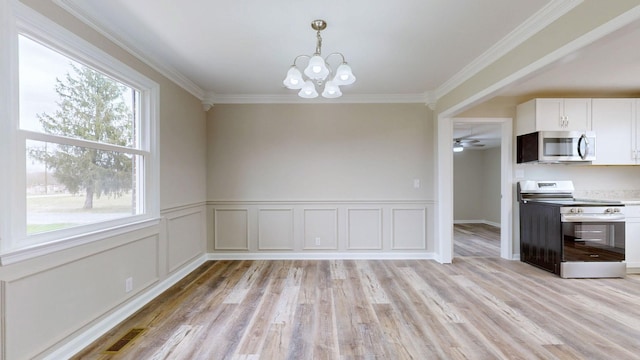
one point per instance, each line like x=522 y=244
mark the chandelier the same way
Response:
x=317 y=71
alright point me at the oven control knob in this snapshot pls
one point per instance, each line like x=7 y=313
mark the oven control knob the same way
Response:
x=609 y=210
x=574 y=210
x=616 y=210
x=579 y=210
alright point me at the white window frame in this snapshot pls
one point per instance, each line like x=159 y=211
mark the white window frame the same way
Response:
x=15 y=244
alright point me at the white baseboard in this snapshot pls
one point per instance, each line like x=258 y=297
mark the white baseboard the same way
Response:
x=83 y=340
x=321 y=256
x=486 y=222
x=633 y=267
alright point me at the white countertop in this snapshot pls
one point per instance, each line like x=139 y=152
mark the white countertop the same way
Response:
x=626 y=197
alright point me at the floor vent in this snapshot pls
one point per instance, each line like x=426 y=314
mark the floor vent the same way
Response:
x=124 y=340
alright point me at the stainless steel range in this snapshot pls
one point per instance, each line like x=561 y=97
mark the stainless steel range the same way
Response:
x=570 y=237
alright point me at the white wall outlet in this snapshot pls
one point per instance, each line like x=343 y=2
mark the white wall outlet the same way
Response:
x=416 y=183
x=128 y=284
x=317 y=241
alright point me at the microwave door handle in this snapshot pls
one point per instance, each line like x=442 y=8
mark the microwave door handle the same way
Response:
x=586 y=146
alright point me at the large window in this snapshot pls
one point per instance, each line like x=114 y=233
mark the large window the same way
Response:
x=81 y=138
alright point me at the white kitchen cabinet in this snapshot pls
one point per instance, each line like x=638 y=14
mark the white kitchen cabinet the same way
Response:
x=632 y=237
x=571 y=114
x=615 y=123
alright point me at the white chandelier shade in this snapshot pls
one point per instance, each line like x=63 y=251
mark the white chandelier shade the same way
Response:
x=344 y=76
x=308 y=90
x=317 y=71
x=331 y=90
x=317 y=68
x=294 y=79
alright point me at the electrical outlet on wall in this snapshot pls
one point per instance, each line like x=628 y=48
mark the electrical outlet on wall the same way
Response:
x=128 y=284
x=317 y=241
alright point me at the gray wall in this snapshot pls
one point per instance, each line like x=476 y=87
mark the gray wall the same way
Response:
x=330 y=177
x=476 y=190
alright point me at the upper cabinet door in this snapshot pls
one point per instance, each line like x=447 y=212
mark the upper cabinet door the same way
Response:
x=614 y=122
x=563 y=114
x=577 y=113
x=549 y=114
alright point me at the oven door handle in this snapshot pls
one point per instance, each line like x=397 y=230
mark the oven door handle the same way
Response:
x=592 y=218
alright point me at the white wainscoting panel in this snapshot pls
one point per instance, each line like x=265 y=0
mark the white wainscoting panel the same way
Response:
x=275 y=229
x=364 y=229
x=320 y=229
x=408 y=229
x=185 y=236
x=231 y=229
x=66 y=298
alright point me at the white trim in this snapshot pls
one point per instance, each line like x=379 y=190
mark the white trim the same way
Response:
x=118 y=38
x=65 y=140
x=338 y=255
x=181 y=207
x=8 y=115
x=314 y=202
x=212 y=99
x=45 y=248
x=538 y=21
x=78 y=343
x=444 y=191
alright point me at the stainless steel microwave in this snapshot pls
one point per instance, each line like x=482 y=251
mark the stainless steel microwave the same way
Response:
x=556 y=147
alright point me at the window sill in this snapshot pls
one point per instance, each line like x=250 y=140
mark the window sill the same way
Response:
x=18 y=255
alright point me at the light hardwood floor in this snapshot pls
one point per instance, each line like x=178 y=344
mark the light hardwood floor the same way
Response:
x=475 y=308
x=476 y=240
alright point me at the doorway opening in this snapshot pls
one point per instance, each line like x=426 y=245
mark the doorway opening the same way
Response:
x=476 y=188
x=445 y=175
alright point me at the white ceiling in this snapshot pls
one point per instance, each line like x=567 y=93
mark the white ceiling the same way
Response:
x=401 y=51
x=404 y=49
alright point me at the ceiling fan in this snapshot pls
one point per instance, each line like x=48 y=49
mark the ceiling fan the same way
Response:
x=460 y=144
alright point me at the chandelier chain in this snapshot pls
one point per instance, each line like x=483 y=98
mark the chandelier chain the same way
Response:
x=318 y=43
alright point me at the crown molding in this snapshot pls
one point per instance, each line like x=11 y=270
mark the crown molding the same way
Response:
x=212 y=98
x=118 y=38
x=541 y=19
